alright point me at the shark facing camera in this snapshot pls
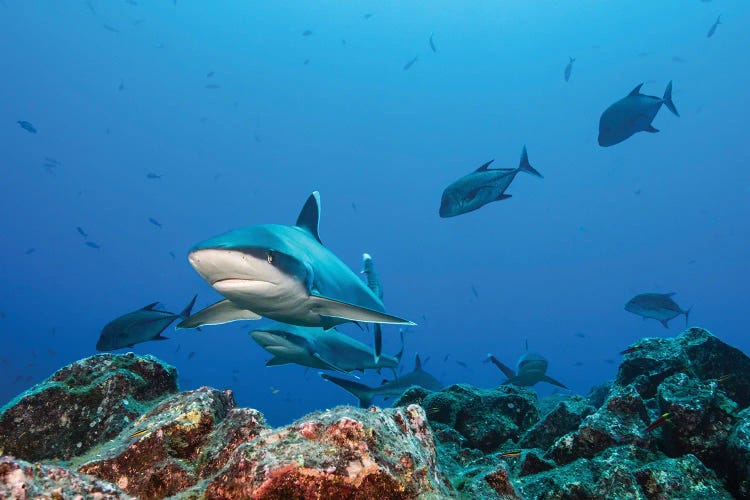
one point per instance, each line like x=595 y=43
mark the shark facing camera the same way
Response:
x=283 y=273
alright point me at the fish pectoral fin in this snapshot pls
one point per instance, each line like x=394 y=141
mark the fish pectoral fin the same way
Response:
x=275 y=361
x=552 y=381
x=160 y=337
x=503 y=196
x=331 y=366
x=221 y=312
x=664 y=322
x=650 y=128
x=342 y=310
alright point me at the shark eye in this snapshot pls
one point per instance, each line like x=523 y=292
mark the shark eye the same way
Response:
x=269 y=257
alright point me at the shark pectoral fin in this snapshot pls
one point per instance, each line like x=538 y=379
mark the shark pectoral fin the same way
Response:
x=552 y=381
x=508 y=372
x=360 y=391
x=330 y=365
x=223 y=311
x=651 y=128
x=275 y=361
x=336 y=309
x=503 y=196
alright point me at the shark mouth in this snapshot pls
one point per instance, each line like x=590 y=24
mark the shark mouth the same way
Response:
x=239 y=282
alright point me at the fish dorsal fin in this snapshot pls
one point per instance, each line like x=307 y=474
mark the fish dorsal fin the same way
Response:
x=309 y=217
x=485 y=166
x=417 y=363
x=150 y=307
x=636 y=91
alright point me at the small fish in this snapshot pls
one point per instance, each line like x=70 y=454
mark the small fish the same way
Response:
x=354 y=207
x=307 y=61
x=446 y=357
x=51 y=352
x=138 y=22
x=152 y=175
x=91 y=7
x=724 y=378
x=121 y=86
x=511 y=454
x=212 y=86
x=27 y=126
x=172 y=255
x=131 y=2
x=81 y=232
x=30 y=251
x=658 y=422
x=178 y=348
x=191 y=354
x=678 y=59
x=110 y=28
x=578 y=363
x=138 y=433
x=474 y=291
x=274 y=390
x=155 y=222
x=569 y=68
x=367 y=16
x=51 y=160
x=712 y=29
x=307 y=33
x=209 y=74
x=461 y=363
x=410 y=63
x=580 y=335
x=632 y=349
x=92 y=244
x=432 y=44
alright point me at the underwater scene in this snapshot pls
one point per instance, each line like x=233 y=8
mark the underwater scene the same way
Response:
x=374 y=249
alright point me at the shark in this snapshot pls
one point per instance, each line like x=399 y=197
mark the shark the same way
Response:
x=482 y=186
x=388 y=389
x=317 y=348
x=532 y=368
x=283 y=273
x=141 y=325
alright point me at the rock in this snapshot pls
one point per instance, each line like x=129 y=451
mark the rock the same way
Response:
x=684 y=477
x=341 y=453
x=487 y=418
x=20 y=480
x=531 y=462
x=701 y=419
x=621 y=419
x=598 y=394
x=565 y=417
x=159 y=462
x=82 y=405
x=738 y=456
x=239 y=426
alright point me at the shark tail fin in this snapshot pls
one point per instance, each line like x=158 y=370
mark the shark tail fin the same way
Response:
x=687 y=315
x=668 y=99
x=360 y=391
x=189 y=308
x=400 y=353
x=378 y=341
x=525 y=166
x=572 y=59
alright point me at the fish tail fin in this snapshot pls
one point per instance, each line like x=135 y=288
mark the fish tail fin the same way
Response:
x=687 y=315
x=718 y=20
x=186 y=312
x=360 y=391
x=572 y=59
x=525 y=166
x=668 y=99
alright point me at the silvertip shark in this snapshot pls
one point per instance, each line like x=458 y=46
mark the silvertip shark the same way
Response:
x=283 y=273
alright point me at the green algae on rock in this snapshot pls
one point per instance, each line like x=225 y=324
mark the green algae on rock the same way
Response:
x=82 y=405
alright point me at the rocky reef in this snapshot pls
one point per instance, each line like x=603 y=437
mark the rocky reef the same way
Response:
x=114 y=426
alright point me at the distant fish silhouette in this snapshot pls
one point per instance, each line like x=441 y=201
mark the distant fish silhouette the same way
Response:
x=712 y=29
x=110 y=28
x=307 y=33
x=92 y=244
x=121 y=86
x=410 y=63
x=152 y=175
x=569 y=68
x=367 y=16
x=155 y=222
x=212 y=86
x=432 y=44
x=209 y=74
x=27 y=126
x=81 y=232
x=30 y=251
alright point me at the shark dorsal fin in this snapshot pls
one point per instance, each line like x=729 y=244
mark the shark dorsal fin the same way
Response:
x=485 y=166
x=417 y=363
x=636 y=91
x=309 y=217
x=150 y=306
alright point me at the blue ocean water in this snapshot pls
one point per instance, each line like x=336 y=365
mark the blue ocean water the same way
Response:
x=245 y=108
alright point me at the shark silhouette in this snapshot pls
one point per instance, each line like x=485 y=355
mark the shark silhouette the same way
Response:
x=314 y=347
x=532 y=368
x=283 y=273
x=396 y=387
